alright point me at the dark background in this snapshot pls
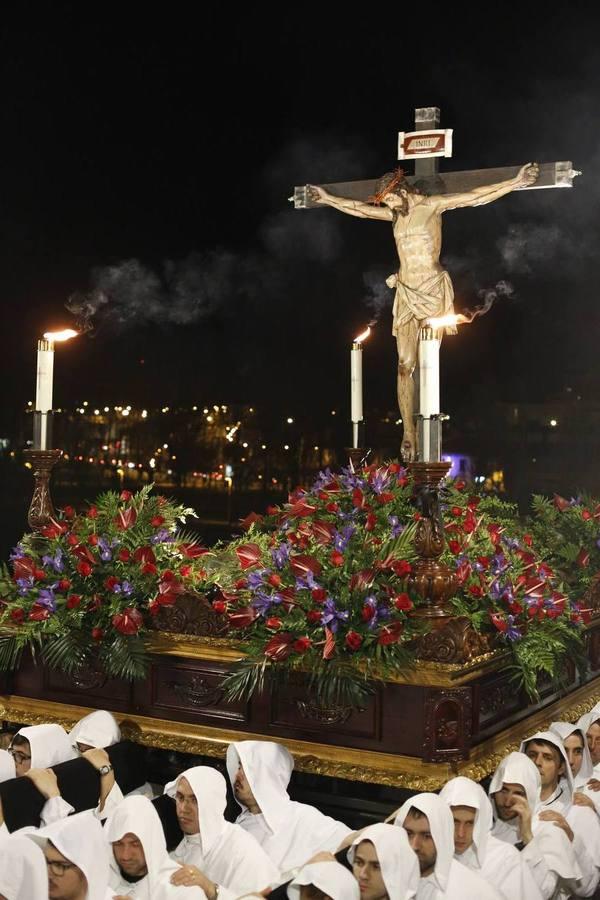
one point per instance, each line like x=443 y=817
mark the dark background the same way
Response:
x=174 y=138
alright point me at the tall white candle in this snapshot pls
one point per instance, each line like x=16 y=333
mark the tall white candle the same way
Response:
x=43 y=393
x=356 y=390
x=429 y=384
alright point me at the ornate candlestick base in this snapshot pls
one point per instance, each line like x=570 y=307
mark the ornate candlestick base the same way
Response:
x=356 y=455
x=432 y=581
x=41 y=509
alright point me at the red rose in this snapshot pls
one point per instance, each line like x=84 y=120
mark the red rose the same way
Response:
x=456 y=511
x=475 y=590
x=53 y=531
x=385 y=497
x=93 y=540
x=73 y=601
x=528 y=539
x=272 y=510
x=337 y=558
x=586 y=515
x=460 y=485
x=371 y=522
x=241 y=583
x=367 y=612
x=301 y=645
x=157 y=521
x=219 y=606
x=393 y=469
x=124 y=555
x=84 y=568
x=39 y=574
x=273 y=623
x=454 y=547
x=92 y=512
x=72 y=541
x=17 y=615
x=64 y=584
x=97 y=634
x=313 y=616
x=332 y=508
x=358 y=498
x=474 y=502
x=129 y=621
x=401 y=567
x=185 y=571
x=68 y=512
x=274 y=580
x=353 y=640
x=403 y=602
x=110 y=582
x=126 y=496
x=319 y=595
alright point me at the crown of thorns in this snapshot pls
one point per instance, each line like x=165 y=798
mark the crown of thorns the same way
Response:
x=389 y=186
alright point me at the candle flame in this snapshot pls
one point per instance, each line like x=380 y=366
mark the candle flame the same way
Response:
x=362 y=337
x=64 y=335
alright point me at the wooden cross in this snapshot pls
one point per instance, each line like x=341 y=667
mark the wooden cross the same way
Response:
x=428 y=177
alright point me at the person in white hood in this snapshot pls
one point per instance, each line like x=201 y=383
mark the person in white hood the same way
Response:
x=515 y=792
x=215 y=853
x=140 y=866
x=77 y=858
x=324 y=879
x=7 y=766
x=97 y=730
x=580 y=762
x=39 y=747
x=429 y=826
x=590 y=725
x=23 y=871
x=475 y=847
x=546 y=751
x=289 y=832
x=383 y=864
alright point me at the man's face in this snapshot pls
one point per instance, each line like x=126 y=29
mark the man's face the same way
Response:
x=464 y=822
x=421 y=841
x=548 y=762
x=397 y=201
x=593 y=739
x=504 y=799
x=129 y=855
x=186 y=805
x=367 y=871
x=65 y=880
x=242 y=789
x=574 y=749
x=21 y=753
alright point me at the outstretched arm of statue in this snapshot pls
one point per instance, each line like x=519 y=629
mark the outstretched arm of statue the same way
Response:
x=527 y=175
x=351 y=207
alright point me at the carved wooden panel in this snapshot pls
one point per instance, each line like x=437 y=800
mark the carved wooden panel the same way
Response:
x=191 y=614
x=192 y=692
x=448 y=715
x=498 y=698
x=294 y=709
x=86 y=685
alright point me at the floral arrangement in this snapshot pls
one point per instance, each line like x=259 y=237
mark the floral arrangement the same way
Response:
x=320 y=585
x=86 y=586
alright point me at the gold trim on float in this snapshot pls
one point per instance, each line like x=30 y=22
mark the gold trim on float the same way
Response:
x=429 y=674
x=369 y=766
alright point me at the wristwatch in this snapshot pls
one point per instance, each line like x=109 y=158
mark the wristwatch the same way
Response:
x=104 y=770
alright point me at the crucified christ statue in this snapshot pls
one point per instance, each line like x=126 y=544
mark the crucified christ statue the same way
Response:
x=423 y=287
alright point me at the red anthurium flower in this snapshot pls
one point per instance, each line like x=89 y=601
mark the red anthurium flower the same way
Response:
x=583 y=558
x=95 y=603
x=17 y=615
x=73 y=601
x=249 y=520
x=358 y=498
x=313 y=616
x=301 y=645
x=84 y=553
x=241 y=618
x=248 y=555
x=273 y=623
x=24 y=567
x=240 y=584
x=475 y=590
x=149 y=569
x=280 y=646
x=403 y=602
x=332 y=507
x=272 y=510
x=192 y=551
x=129 y=621
x=124 y=555
x=363 y=579
x=300 y=509
x=68 y=512
x=586 y=615
x=125 y=496
x=53 y=530
x=367 y=612
x=322 y=532
x=110 y=582
x=300 y=564
x=371 y=522
x=460 y=485
x=157 y=521
x=463 y=571
x=560 y=503
x=394 y=468
x=454 y=547
x=126 y=518
x=97 y=634
x=38 y=613
x=84 y=568
x=144 y=555
x=499 y=622
x=385 y=497
x=390 y=634
x=337 y=558
x=219 y=606
x=353 y=640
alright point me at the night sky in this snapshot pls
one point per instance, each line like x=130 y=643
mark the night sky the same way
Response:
x=153 y=154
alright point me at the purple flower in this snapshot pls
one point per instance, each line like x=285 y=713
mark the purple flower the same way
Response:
x=280 y=555
x=397 y=528
x=323 y=478
x=307 y=582
x=380 y=481
x=256 y=578
x=162 y=536
x=262 y=601
x=55 y=561
x=17 y=552
x=46 y=598
x=127 y=588
x=498 y=563
x=342 y=538
x=24 y=585
x=512 y=632
x=511 y=543
x=331 y=616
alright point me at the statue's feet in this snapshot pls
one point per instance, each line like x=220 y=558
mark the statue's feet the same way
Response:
x=407 y=450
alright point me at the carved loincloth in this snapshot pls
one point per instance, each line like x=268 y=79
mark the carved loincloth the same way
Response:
x=433 y=297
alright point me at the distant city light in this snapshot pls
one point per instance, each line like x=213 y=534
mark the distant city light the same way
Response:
x=315 y=447
x=286 y=446
x=245 y=444
x=152 y=463
x=96 y=412
x=209 y=419
x=333 y=412
x=144 y=413
x=165 y=446
x=553 y=423
x=124 y=412
x=106 y=409
x=263 y=446
x=290 y=421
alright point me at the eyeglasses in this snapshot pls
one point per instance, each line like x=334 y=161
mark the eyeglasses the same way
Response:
x=59 y=868
x=18 y=757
